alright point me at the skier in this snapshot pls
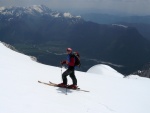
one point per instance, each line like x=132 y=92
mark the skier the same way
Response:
x=70 y=71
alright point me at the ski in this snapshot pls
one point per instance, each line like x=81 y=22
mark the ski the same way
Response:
x=55 y=85
x=78 y=89
x=65 y=87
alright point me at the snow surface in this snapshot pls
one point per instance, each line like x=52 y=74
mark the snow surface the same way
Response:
x=2 y=8
x=56 y=15
x=78 y=16
x=120 y=25
x=68 y=15
x=104 y=70
x=135 y=77
x=38 y=8
x=21 y=93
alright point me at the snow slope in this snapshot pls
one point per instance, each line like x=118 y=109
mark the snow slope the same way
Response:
x=104 y=70
x=21 y=93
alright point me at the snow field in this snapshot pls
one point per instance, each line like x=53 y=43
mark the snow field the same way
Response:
x=21 y=93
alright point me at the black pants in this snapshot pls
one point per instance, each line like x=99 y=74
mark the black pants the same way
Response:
x=72 y=76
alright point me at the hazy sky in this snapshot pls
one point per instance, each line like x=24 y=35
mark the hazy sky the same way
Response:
x=106 y=6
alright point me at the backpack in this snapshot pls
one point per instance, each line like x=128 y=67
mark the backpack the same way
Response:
x=77 y=59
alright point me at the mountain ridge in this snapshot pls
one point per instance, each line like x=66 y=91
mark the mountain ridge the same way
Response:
x=34 y=10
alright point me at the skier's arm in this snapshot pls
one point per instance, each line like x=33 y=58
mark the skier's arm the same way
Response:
x=63 y=62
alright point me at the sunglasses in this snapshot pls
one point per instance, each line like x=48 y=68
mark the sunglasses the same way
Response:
x=68 y=51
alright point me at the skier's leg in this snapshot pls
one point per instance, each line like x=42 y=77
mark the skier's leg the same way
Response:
x=73 y=77
x=64 y=76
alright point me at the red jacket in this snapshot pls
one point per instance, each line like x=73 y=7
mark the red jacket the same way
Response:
x=70 y=61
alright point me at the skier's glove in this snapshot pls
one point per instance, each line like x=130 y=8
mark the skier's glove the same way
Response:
x=63 y=62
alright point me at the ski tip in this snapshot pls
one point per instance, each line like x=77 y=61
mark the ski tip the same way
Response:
x=39 y=81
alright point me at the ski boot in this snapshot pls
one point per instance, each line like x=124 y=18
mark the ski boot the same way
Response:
x=72 y=86
x=62 y=85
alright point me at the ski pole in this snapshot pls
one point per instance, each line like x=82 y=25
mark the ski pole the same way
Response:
x=61 y=77
x=61 y=72
x=66 y=90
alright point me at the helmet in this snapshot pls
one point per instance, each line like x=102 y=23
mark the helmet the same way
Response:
x=69 y=49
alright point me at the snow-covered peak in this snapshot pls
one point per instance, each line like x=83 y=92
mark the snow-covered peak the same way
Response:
x=55 y=14
x=2 y=8
x=104 y=70
x=78 y=16
x=67 y=15
x=35 y=10
x=120 y=25
x=40 y=9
